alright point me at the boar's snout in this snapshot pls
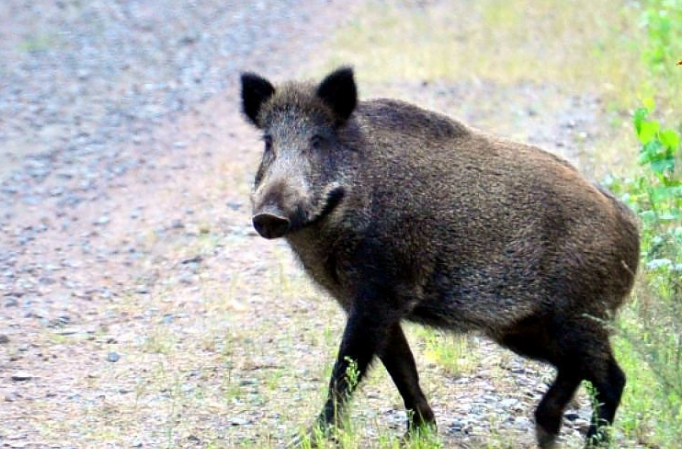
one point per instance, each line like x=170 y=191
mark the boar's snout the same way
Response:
x=271 y=225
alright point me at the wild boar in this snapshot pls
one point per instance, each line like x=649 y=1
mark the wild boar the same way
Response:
x=400 y=213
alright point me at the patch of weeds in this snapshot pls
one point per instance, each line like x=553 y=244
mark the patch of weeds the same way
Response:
x=38 y=43
x=159 y=341
x=273 y=380
x=232 y=389
x=650 y=330
x=641 y=408
x=207 y=241
x=60 y=339
x=425 y=438
x=174 y=393
x=445 y=40
x=452 y=352
x=621 y=51
x=141 y=385
x=329 y=336
x=288 y=283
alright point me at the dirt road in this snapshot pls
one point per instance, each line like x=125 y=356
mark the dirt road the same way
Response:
x=124 y=168
x=137 y=306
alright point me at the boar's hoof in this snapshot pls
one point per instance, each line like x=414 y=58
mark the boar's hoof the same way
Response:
x=599 y=438
x=415 y=431
x=546 y=440
x=270 y=226
x=313 y=437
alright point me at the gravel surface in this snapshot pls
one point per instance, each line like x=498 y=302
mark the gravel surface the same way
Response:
x=83 y=88
x=111 y=115
x=138 y=308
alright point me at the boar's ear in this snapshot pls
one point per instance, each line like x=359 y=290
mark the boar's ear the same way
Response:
x=255 y=91
x=338 y=91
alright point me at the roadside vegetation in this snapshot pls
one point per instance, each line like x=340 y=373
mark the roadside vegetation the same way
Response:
x=650 y=329
x=625 y=53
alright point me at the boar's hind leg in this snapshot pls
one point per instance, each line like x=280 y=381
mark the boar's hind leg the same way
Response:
x=366 y=331
x=539 y=338
x=585 y=354
x=550 y=411
x=399 y=362
x=608 y=381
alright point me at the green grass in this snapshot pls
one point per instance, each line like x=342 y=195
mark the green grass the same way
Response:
x=38 y=43
x=651 y=324
x=580 y=42
x=582 y=46
x=455 y=354
x=594 y=45
x=642 y=410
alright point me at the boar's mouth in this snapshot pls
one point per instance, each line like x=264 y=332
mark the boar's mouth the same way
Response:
x=330 y=200
x=271 y=222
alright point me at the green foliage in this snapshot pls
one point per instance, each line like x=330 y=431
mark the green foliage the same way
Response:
x=352 y=374
x=450 y=352
x=650 y=346
x=653 y=325
x=657 y=193
x=662 y=20
x=661 y=50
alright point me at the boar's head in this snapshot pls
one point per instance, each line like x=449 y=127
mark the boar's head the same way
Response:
x=302 y=176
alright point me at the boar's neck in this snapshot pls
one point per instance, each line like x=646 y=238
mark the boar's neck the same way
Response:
x=325 y=247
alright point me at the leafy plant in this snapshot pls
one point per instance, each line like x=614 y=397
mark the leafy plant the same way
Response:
x=661 y=19
x=653 y=323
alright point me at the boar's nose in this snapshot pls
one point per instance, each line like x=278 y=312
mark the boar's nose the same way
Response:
x=270 y=226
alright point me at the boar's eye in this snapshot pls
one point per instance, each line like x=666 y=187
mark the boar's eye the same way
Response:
x=317 y=142
x=268 y=144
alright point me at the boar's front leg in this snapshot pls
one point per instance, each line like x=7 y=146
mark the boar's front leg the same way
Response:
x=399 y=362
x=369 y=321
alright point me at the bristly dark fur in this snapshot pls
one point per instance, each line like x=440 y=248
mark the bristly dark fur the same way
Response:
x=405 y=214
x=338 y=91
x=255 y=91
